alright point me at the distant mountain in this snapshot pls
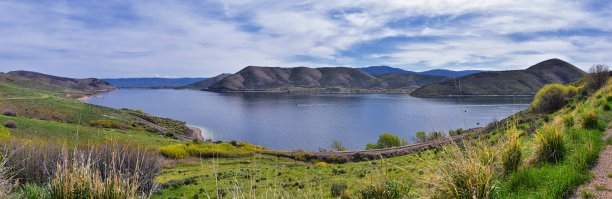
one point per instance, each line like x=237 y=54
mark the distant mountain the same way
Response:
x=151 y=82
x=303 y=79
x=378 y=70
x=204 y=84
x=513 y=82
x=57 y=84
x=450 y=73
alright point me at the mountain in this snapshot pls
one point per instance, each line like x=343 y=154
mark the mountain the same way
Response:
x=411 y=80
x=378 y=70
x=303 y=79
x=512 y=82
x=150 y=82
x=450 y=73
x=69 y=86
x=204 y=84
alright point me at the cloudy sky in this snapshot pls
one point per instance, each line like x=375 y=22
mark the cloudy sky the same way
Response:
x=205 y=38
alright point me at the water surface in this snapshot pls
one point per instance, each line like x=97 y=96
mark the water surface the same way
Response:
x=312 y=121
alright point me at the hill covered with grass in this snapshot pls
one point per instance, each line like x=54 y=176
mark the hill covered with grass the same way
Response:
x=514 y=82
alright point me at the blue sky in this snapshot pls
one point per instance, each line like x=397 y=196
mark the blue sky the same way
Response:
x=205 y=38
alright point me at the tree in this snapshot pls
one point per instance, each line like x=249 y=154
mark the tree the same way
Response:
x=597 y=77
x=421 y=136
x=386 y=140
x=336 y=145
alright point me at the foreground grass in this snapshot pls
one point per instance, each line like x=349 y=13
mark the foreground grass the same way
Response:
x=264 y=176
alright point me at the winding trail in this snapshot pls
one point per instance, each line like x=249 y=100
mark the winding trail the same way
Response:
x=365 y=155
x=600 y=172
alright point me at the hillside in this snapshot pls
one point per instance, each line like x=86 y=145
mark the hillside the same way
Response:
x=151 y=82
x=42 y=97
x=450 y=73
x=204 y=84
x=303 y=79
x=379 y=70
x=69 y=86
x=513 y=82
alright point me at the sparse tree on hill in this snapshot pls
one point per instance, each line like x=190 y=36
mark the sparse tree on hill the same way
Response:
x=598 y=77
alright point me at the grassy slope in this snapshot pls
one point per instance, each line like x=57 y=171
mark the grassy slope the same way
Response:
x=52 y=105
x=285 y=177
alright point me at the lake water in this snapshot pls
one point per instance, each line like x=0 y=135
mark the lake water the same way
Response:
x=313 y=121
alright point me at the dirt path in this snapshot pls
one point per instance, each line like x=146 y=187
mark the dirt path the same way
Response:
x=365 y=155
x=601 y=184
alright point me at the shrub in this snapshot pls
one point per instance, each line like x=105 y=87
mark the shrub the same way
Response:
x=387 y=140
x=511 y=156
x=550 y=146
x=9 y=112
x=552 y=97
x=468 y=173
x=381 y=186
x=589 y=119
x=568 y=121
x=176 y=151
x=337 y=189
x=10 y=124
x=336 y=145
x=597 y=77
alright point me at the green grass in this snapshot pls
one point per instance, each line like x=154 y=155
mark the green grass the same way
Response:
x=209 y=150
x=275 y=175
x=64 y=132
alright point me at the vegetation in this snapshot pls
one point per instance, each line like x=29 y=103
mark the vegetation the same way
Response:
x=552 y=97
x=387 y=140
x=209 y=150
x=337 y=145
x=550 y=146
x=597 y=77
x=511 y=155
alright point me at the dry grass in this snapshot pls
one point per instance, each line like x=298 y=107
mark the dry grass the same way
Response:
x=511 y=157
x=550 y=146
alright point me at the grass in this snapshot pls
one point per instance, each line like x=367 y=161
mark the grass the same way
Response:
x=64 y=132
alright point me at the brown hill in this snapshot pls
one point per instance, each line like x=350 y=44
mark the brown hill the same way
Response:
x=41 y=81
x=204 y=84
x=513 y=82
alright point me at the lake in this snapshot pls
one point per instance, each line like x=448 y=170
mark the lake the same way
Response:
x=313 y=121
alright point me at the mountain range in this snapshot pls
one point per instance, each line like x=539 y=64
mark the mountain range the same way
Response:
x=512 y=82
x=379 y=70
x=329 y=79
x=151 y=82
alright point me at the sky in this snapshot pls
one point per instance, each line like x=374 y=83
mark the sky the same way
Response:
x=183 y=38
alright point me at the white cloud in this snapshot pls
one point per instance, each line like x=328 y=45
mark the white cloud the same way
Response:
x=203 y=39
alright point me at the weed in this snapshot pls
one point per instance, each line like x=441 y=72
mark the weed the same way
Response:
x=587 y=194
x=550 y=146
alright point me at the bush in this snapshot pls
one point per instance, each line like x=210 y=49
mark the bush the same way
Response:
x=10 y=124
x=468 y=173
x=177 y=151
x=337 y=189
x=209 y=150
x=550 y=146
x=336 y=145
x=552 y=97
x=382 y=186
x=568 y=121
x=597 y=77
x=421 y=137
x=9 y=112
x=387 y=140
x=511 y=156
x=589 y=119
x=103 y=123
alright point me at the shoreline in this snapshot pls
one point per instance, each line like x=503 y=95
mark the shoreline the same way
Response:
x=196 y=132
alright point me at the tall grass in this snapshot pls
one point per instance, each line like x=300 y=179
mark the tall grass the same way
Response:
x=511 y=156
x=550 y=146
x=464 y=173
x=208 y=150
x=6 y=182
x=78 y=178
x=47 y=163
